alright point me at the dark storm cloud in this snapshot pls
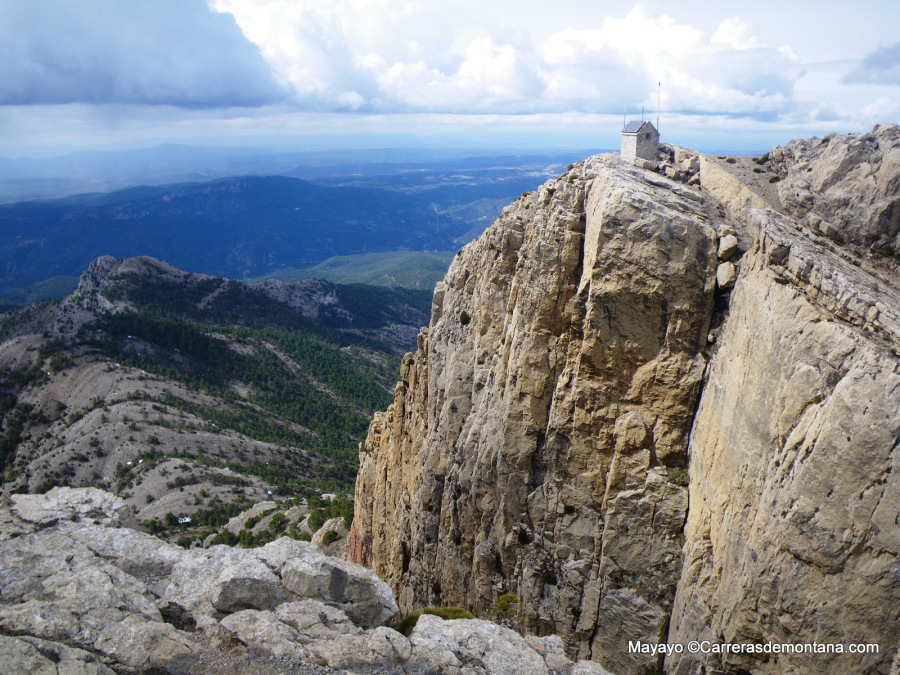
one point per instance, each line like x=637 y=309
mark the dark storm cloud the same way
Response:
x=880 y=67
x=150 y=52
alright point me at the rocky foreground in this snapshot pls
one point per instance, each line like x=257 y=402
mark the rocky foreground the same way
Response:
x=661 y=402
x=83 y=593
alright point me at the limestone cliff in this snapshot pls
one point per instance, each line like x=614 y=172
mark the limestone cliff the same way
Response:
x=590 y=424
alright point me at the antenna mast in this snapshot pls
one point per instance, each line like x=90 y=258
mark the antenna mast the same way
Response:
x=658 y=93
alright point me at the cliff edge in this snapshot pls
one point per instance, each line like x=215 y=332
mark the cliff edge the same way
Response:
x=660 y=404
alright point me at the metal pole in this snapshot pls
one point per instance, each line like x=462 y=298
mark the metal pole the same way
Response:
x=658 y=93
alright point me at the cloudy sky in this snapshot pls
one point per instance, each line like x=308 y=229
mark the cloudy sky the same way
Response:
x=507 y=72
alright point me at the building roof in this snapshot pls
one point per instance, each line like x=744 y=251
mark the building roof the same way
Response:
x=635 y=126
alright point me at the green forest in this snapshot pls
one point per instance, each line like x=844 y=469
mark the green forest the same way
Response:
x=309 y=384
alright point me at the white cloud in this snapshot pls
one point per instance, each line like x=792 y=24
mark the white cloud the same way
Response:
x=404 y=56
x=733 y=33
x=156 y=52
x=487 y=78
x=101 y=62
x=306 y=44
x=882 y=110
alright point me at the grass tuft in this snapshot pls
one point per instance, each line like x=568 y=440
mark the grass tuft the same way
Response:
x=407 y=623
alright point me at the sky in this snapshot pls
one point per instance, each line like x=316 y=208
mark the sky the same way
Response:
x=504 y=73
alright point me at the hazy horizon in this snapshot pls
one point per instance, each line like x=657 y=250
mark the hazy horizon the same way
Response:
x=351 y=74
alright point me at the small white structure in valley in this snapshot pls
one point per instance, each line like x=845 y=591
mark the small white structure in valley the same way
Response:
x=640 y=139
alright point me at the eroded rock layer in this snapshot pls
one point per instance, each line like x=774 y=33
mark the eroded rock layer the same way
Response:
x=82 y=593
x=538 y=440
x=793 y=530
x=581 y=366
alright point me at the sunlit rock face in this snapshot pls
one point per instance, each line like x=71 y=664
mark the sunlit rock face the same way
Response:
x=637 y=452
x=538 y=440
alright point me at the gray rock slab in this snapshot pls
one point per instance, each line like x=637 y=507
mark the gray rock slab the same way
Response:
x=354 y=589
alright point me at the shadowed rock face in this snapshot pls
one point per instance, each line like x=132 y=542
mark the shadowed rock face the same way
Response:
x=589 y=425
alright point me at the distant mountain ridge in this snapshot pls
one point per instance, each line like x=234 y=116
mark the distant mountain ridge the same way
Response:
x=193 y=396
x=235 y=227
x=394 y=269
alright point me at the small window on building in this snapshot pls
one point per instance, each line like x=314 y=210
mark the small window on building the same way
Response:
x=648 y=135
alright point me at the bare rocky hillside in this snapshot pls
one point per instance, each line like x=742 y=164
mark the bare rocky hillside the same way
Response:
x=194 y=397
x=662 y=403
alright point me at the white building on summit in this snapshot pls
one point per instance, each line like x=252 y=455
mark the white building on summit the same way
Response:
x=640 y=139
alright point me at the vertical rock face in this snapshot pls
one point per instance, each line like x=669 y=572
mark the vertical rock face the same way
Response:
x=794 y=491
x=538 y=438
x=565 y=432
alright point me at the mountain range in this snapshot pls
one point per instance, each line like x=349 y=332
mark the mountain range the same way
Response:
x=237 y=227
x=193 y=396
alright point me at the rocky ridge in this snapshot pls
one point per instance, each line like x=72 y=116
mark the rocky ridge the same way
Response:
x=315 y=299
x=845 y=186
x=193 y=396
x=661 y=408
x=81 y=592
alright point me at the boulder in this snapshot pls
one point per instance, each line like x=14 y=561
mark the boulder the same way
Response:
x=21 y=657
x=262 y=631
x=726 y=274
x=146 y=645
x=683 y=154
x=139 y=554
x=246 y=585
x=64 y=503
x=314 y=620
x=727 y=246
x=38 y=618
x=193 y=580
x=32 y=656
x=52 y=567
x=483 y=646
x=367 y=652
x=690 y=164
x=355 y=590
x=552 y=650
x=276 y=553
